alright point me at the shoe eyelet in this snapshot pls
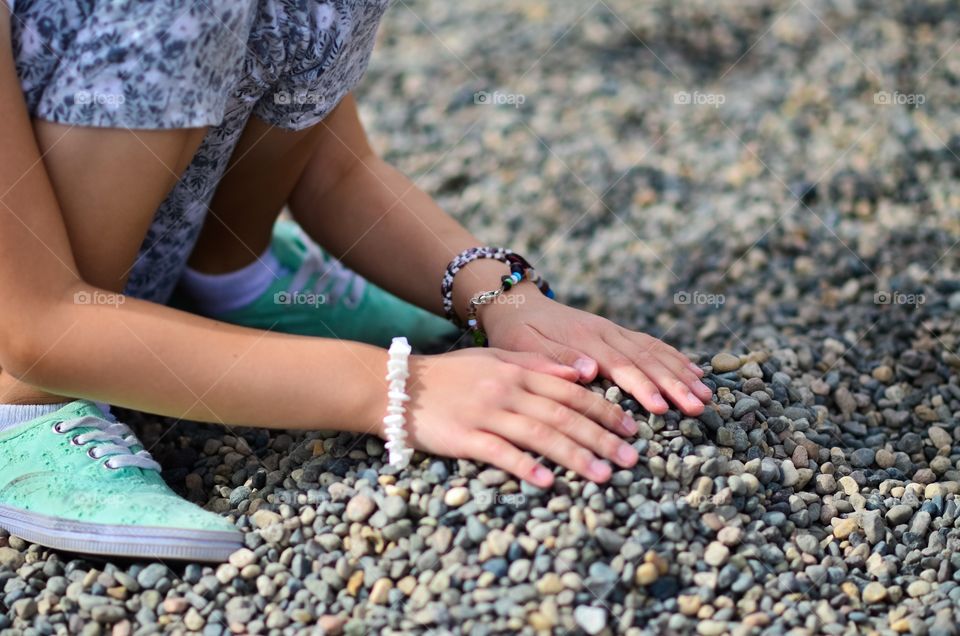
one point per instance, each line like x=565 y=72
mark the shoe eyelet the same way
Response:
x=109 y=466
x=91 y=455
x=56 y=428
x=73 y=440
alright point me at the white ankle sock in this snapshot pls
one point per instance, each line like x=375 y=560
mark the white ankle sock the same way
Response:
x=219 y=293
x=12 y=415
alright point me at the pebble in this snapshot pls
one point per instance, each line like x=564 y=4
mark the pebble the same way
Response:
x=10 y=558
x=918 y=588
x=591 y=620
x=240 y=559
x=874 y=592
x=151 y=575
x=456 y=497
x=360 y=508
x=843 y=528
x=108 y=614
x=394 y=507
x=885 y=459
x=939 y=437
x=647 y=574
x=730 y=536
x=862 y=457
x=716 y=554
x=899 y=514
x=263 y=518
x=613 y=394
x=725 y=362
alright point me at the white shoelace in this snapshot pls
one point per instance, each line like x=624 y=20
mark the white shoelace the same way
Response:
x=118 y=439
x=332 y=274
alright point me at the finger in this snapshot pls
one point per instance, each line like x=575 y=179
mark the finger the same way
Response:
x=538 y=436
x=587 y=367
x=625 y=374
x=688 y=377
x=662 y=350
x=498 y=452
x=539 y=363
x=665 y=379
x=581 y=430
x=583 y=401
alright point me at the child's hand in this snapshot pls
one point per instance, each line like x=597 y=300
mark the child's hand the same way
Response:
x=640 y=364
x=488 y=404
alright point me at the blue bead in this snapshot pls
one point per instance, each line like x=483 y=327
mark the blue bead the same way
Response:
x=550 y=294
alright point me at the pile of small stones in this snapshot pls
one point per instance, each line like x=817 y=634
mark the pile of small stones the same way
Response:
x=755 y=515
x=818 y=493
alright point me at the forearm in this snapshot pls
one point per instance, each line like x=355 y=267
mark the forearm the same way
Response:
x=394 y=234
x=152 y=358
x=381 y=224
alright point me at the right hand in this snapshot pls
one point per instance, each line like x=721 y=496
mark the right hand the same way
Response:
x=491 y=405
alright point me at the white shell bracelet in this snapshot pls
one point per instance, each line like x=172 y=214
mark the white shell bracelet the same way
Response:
x=397 y=373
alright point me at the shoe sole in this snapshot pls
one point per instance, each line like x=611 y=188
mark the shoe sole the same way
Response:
x=147 y=542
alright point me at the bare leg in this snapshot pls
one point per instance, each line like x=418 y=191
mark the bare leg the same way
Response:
x=109 y=184
x=265 y=168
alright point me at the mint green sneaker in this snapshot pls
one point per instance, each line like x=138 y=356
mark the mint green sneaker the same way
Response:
x=316 y=295
x=75 y=480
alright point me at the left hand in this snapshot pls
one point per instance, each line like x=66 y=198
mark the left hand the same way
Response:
x=642 y=365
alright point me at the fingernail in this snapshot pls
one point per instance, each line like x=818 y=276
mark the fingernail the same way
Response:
x=696 y=369
x=629 y=425
x=542 y=474
x=693 y=398
x=599 y=469
x=584 y=366
x=658 y=401
x=627 y=454
x=702 y=387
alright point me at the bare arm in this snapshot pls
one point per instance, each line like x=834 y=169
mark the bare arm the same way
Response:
x=138 y=354
x=391 y=231
x=373 y=217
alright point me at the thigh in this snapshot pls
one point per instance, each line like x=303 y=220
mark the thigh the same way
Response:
x=109 y=183
x=266 y=165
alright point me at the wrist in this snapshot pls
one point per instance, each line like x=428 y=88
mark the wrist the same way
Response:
x=476 y=277
x=374 y=402
x=510 y=307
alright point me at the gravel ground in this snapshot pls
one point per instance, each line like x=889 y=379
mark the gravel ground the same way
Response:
x=769 y=185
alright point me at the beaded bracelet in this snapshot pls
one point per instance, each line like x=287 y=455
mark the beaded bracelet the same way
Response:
x=397 y=373
x=516 y=262
x=460 y=261
x=520 y=270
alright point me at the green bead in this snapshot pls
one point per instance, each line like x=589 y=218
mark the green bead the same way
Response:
x=479 y=338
